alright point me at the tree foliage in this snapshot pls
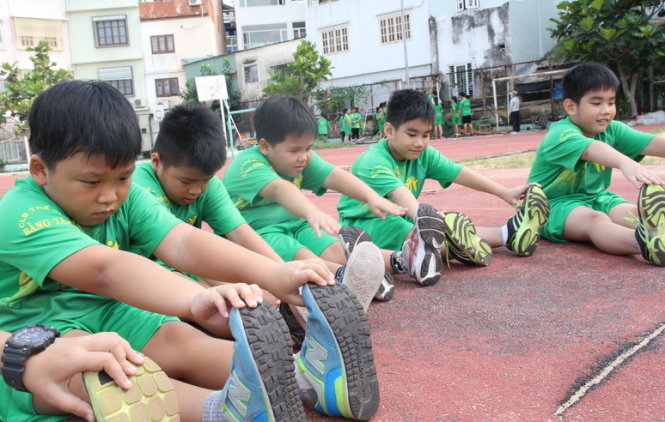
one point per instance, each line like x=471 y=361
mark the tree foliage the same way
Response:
x=20 y=90
x=618 y=33
x=337 y=98
x=301 y=77
x=191 y=96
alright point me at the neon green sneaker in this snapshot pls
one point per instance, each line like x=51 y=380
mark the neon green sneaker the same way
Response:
x=650 y=232
x=463 y=243
x=151 y=398
x=524 y=226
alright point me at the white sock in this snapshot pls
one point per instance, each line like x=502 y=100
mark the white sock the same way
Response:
x=503 y=233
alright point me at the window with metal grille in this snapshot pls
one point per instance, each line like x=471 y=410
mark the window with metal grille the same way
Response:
x=461 y=79
x=299 y=30
x=162 y=44
x=251 y=73
x=119 y=77
x=467 y=4
x=391 y=28
x=29 y=32
x=335 y=40
x=166 y=87
x=110 y=30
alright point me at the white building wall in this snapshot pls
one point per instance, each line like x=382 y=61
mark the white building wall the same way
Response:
x=287 y=13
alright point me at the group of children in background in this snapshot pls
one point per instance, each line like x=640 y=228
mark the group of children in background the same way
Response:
x=95 y=243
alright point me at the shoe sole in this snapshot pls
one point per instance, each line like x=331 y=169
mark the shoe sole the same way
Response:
x=269 y=340
x=536 y=212
x=350 y=327
x=651 y=209
x=150 y=399
x=364 y=272
x=432 y=230
x=386 y=294
x=462 y=234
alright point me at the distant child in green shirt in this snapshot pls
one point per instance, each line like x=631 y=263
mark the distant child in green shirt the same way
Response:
x=438 y=119
x=356 y=123
x=64 y=262
x=574 y=166
x=265 y=184
x=455 y=118
x=380 y=120
x=345 y=125
x=323 y=125
x=465 y=112
x=397 y=167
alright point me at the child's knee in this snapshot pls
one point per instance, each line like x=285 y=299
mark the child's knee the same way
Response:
x=334 y=253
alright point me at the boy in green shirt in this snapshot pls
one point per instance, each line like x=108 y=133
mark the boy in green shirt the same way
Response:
x=356 y=124
x=455 y=115
x=574 y=166
x=345 y=125
x=380 y=120
x=63 y=262
x=465 y=112
x=438 y=119
x=323 y=125
x=397 y=168
x=265 y=184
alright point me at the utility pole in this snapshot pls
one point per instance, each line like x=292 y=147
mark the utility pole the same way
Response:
x=406 y=56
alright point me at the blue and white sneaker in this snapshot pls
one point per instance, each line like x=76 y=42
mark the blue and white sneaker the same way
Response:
x=421 y=251
x=335 y=366
x=262 y=386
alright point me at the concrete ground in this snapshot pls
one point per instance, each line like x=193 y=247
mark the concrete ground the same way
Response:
x=569 y=333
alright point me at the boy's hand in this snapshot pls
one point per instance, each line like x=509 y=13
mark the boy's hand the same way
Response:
x=212 y=304
x=379 y=206
x=291 y=275
x=513 y=196
x=318 y=220
x=635 y=173
x=47 y=374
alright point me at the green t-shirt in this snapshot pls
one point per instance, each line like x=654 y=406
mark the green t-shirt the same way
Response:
x=36 y=235
x=381 y=119
x=558 y=166
x=251 y=171
x=214 y=206
x=345 y=123
x=357 y=119
x=438 y=111
x=384 y=174
x=454 y=108
x=465 y=105
x=323 y=125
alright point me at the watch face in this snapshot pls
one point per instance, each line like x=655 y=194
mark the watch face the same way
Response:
x=31 y=335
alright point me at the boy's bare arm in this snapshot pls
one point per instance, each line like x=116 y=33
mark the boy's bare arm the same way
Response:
x=246 y=237
x=290 y=197
x=403 y=197
x=656 y=147
x=351 y=186
x=476 y=181
x=635 y=173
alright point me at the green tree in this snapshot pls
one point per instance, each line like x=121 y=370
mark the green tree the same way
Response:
x=301 y=77
x=619 y=33
x=20 y=90
x=337 y=98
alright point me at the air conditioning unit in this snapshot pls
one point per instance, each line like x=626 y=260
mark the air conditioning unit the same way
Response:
x=194 y=2
x=139 y=103
x=164 y=104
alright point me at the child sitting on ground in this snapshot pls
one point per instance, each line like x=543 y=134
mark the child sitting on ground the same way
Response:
x=574 y=166
x=397 y=168
x=63 y=262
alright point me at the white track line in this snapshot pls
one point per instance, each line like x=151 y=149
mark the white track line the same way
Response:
x=607 y=370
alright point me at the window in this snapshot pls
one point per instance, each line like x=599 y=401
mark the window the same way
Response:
x=119 y=77
x=251 y=73
x=252 y=3
x=166 y=87
x=258 y=35
x=162 y=44
x=2 y=43
x=29 y=32
x=391 y=28
x=110 y=30
x=461 y=79
x=231 y=43
x=467 y=4
x=299 y=30
x=335 y=40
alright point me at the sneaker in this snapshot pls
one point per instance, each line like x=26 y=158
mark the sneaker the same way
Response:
x=336 y=363
x=151 y=397
x=350 y=236
x=650 y=232
x=262 y=385
x=421 y=251
x=523 y=227
x=363 y=272
x=295 y=328
x=463 y=243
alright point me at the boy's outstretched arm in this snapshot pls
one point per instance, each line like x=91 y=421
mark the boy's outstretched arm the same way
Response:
x=634 y=172
x=656 y=147
x=404 y=198
x=476 y=181
x=246 y=237
x=351 y=186
x=294 y=201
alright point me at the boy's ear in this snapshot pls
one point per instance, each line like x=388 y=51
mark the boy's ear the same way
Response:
x=38 y=169
x=264 y=146
x=155 y=160
x=388 y=130
x=569 y=106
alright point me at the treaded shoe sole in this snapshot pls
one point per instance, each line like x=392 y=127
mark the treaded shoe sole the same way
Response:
x=536 y=212
x=350 y=326
x=364 y=272
x=651 y=209
x=386 y=288
x=432 y=230
x=150 y=399
x=462 y=235
x=270 y=342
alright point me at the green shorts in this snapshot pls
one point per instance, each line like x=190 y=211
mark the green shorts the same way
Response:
x=288 y=238
x=560 y=208
x=438 y=120
x=98 y=314
x=386 y=234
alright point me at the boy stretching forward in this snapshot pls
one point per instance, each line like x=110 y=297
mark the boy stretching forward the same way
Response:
x=63 y=263
x=264 y=182
x=574 y=166
x=397 y=168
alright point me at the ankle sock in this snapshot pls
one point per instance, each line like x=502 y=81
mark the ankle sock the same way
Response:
x=212 y=407
x=503 y=233
x=396 y=263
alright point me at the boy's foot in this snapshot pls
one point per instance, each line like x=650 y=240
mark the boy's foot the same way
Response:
x=421 y=251
x=363 y=272
x=350 y=236
x=335 y=368
x=151 y=397
x=261 y=385
x=650 y=232
x=463 y=243
x=523 y=227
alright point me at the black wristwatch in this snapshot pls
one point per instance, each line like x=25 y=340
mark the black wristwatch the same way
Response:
x=24 y=343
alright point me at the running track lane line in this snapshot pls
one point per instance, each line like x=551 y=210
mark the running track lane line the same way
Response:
x=607 y=370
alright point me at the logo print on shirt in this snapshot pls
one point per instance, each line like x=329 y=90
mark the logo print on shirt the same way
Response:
x=411 y=184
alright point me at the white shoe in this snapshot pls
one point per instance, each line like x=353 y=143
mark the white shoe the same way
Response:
x=363 y=272
x=421 y=251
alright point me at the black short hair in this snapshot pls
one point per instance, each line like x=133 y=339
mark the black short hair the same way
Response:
x=192 y=136
x=89 y=117
x=586 y=77
x=281 y=116
x=408 y=104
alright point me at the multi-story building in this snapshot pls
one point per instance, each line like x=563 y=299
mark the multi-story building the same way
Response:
x=262 y=22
